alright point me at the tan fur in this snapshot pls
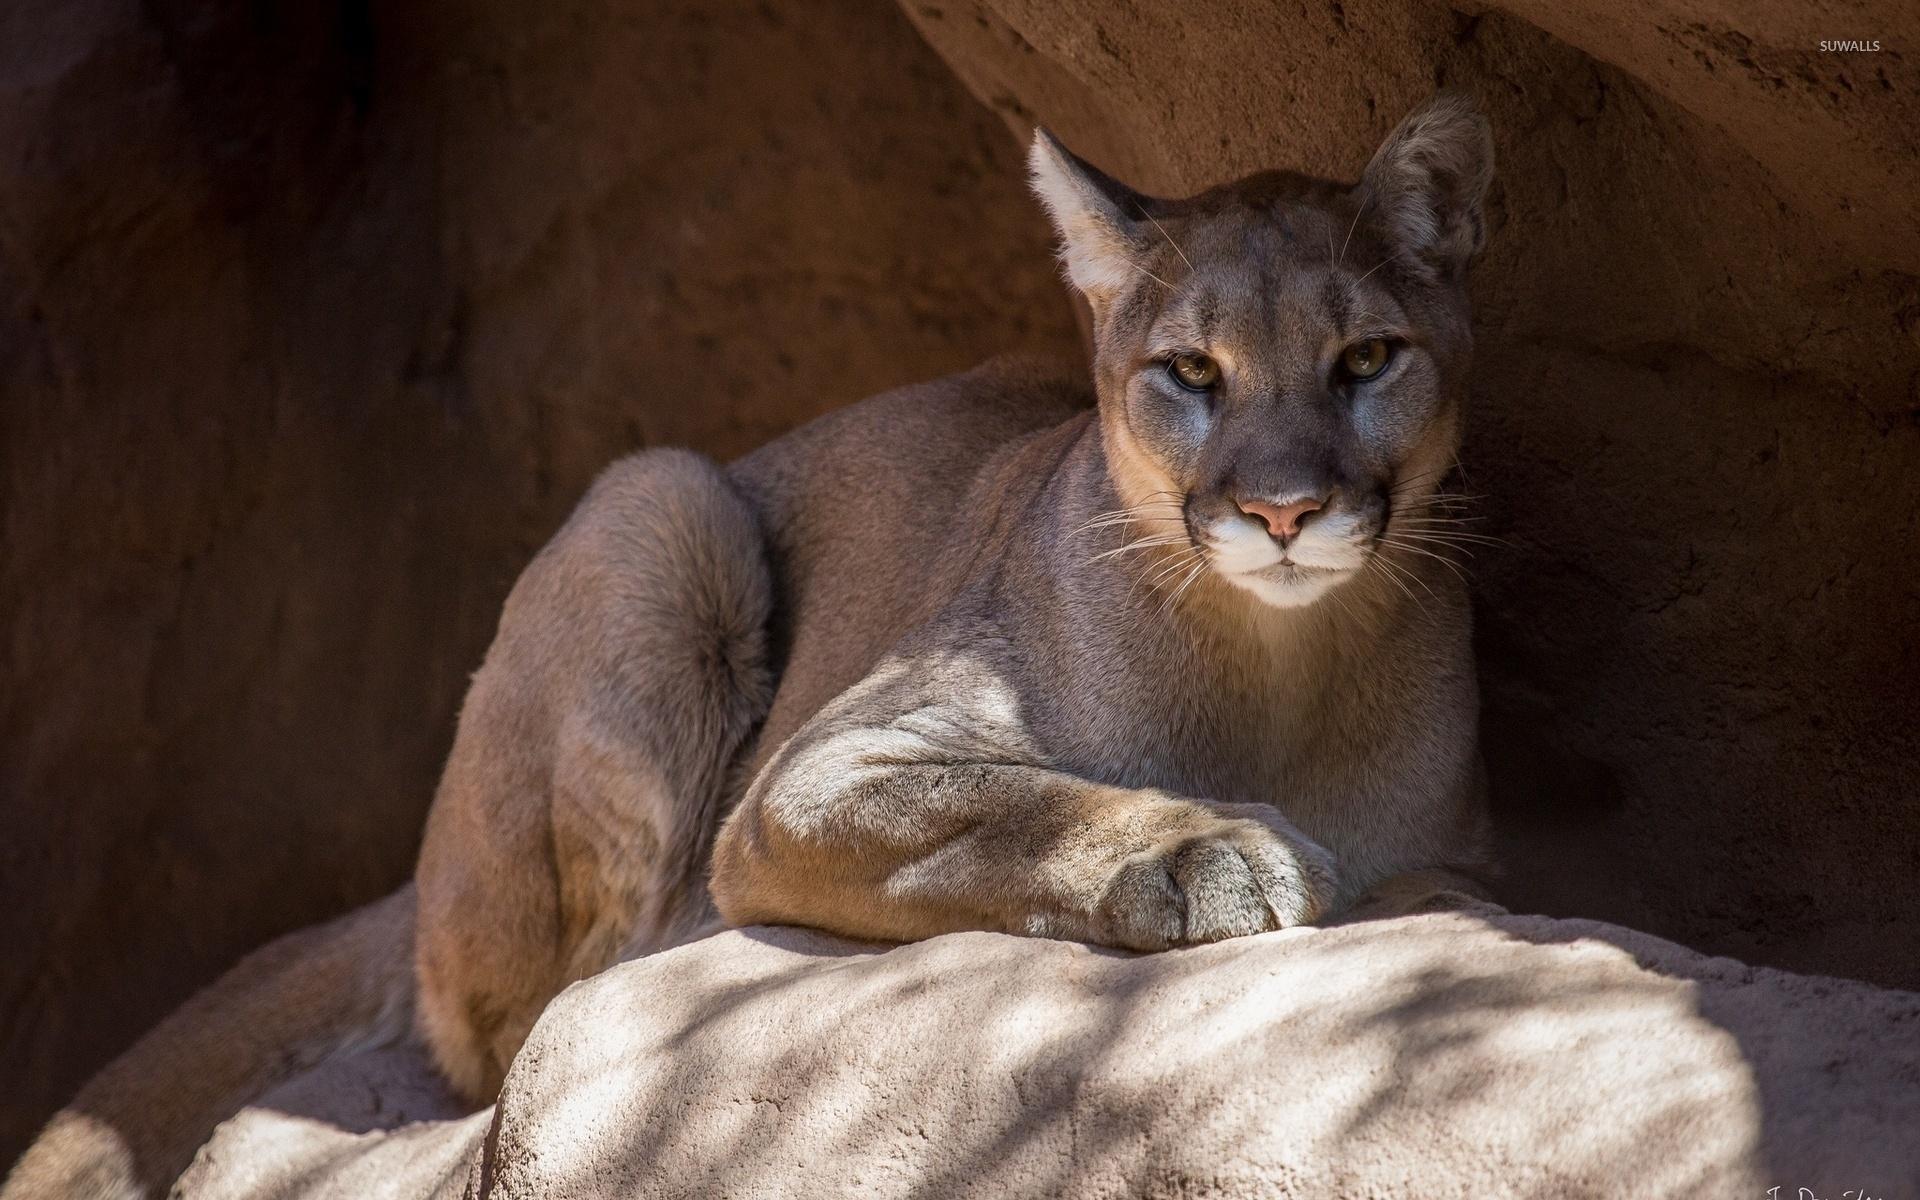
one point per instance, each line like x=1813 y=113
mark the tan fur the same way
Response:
x=588 y=772
x=968 y=655
x=1056 y=745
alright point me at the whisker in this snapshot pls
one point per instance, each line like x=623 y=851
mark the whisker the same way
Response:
x=1454 y=537
x=1186 y=582
x=1175 y=562
x=1432 y=499
x=1163 y=233
x=1448 y=534
x=1462 y=468
x=1149 y=274
x=1383 y=262
x=1433 y=512
x=1405 y=481
x=1199 y=570
x=1445 y=514
x=1388 y=574
x=1121 y=516
x=1142 y=544
x=1439 y=558
x=1444 y=525
x=1450 y=547
x=1178 y=559
x=1432 y=520
x=1405 y=487
x=1397 y=569
x=1126 y=519
x=1172 y=571
x=1346 y=610
x=1364 y=201
x=1173 y=499
x=1171 y=562
x=1442 y=517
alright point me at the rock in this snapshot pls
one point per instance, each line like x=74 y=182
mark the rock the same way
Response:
x=1447 y=1054
x=376 y=1126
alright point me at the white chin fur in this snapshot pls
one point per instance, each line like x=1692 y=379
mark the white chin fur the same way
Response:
x=1297 y=590
x=1248 y=559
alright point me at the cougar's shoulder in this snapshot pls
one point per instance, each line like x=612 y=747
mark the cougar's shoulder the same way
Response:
x=872 y=513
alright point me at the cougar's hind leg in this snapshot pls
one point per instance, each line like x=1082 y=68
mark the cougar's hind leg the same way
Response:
x=579 y=804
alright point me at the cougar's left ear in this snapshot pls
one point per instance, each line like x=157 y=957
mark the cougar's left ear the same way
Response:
x=1096 y=216
x=1427 y=184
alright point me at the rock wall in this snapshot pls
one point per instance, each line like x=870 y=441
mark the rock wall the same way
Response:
x=314 y=320
x=1696 y=415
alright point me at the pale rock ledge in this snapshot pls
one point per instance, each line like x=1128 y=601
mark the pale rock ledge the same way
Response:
x=1466 y=1053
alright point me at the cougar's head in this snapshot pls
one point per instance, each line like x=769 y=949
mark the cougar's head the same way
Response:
x=1281 y=361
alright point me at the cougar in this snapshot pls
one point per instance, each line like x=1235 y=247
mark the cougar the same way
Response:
x=1184 y=663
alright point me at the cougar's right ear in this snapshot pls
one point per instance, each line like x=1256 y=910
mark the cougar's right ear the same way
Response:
x=1096 y=216
x=1428 y=183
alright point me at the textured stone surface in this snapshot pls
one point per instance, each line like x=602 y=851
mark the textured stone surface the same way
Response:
x=1454 y=1054
x=376 y=1126
x=1696 y=408
x=314 y=320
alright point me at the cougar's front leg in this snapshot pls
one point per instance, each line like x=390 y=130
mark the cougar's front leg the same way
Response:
x=579 y=803
x=931 y=823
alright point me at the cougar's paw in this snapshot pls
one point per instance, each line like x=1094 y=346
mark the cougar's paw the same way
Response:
x=1244 y=870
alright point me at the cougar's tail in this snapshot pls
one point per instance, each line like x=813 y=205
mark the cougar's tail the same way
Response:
x=292 y=1004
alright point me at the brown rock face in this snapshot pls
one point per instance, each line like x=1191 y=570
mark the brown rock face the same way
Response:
x=1696 y=417
x=314 y=320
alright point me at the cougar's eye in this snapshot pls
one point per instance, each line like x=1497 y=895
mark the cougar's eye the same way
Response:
x=1364 y=360
x=1194 y=372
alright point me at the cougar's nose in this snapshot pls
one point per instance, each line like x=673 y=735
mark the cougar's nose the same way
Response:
x=1283 y=520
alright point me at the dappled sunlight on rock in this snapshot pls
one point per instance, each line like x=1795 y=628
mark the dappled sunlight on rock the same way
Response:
x=1448 y=1053
x=1467 y=1053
